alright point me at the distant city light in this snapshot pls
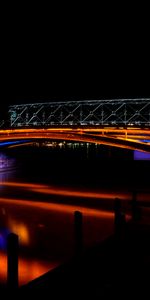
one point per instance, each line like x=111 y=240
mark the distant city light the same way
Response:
x=6 y=162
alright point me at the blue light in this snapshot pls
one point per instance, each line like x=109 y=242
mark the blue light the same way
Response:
x=145 y=141
x=13 y=143
x=139 y=155
x=3 y=238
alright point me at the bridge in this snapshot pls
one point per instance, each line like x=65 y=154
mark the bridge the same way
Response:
x=123 y=123
x=118 y=112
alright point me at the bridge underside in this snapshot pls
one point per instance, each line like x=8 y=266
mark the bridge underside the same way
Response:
x=133 y=139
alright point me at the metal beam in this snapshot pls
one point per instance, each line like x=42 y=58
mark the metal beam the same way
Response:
x=118 y=112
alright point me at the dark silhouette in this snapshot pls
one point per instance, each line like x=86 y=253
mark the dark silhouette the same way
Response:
x=119 y=220
x=78 y=232
x=12 y=261
x=135 y=208
x=116 y=266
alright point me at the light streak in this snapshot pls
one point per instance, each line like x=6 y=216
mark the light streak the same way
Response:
x=13 y=143
x=64 y=208
x=52 y=190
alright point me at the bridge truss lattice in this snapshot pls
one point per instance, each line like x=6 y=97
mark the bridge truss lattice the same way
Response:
x=118 y=112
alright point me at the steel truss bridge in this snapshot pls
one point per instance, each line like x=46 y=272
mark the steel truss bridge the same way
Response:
x=121 y=123
x=119 y=112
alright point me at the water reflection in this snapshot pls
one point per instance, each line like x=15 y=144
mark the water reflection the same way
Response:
x=6 y=175
x=28 y=268
x=7 y=167
x=6 y=163
x=20 y=229
x=41 y=211
x=46 y=232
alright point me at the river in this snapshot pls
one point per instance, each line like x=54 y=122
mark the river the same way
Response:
x=42 y=185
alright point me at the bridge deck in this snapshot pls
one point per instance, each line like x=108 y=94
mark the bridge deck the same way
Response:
x=134 y=139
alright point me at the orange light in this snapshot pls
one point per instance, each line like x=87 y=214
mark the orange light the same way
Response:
x=29 y=269
x=86 y=135
x=52 y=190
x=21 y=230
x=59 y=207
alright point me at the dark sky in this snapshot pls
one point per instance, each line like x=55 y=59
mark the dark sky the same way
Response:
x=31 y=82
x=42 y=69
x=60 y=57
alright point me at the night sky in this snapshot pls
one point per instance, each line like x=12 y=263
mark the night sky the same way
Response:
x=46 y=57
x=29 y=85
x=35 y=71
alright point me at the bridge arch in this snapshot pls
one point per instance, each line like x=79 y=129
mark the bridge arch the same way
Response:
x=79 y=135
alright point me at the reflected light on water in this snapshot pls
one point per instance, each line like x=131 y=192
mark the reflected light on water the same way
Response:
x=80 y=194
x=49 y=190
x=6 y=162
x=32 y=268
x=58 y=207
x=22 y=185
x=101 y=222
x=7 y=168
x=68 y=192
x=37 y=268
x=21 y=230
